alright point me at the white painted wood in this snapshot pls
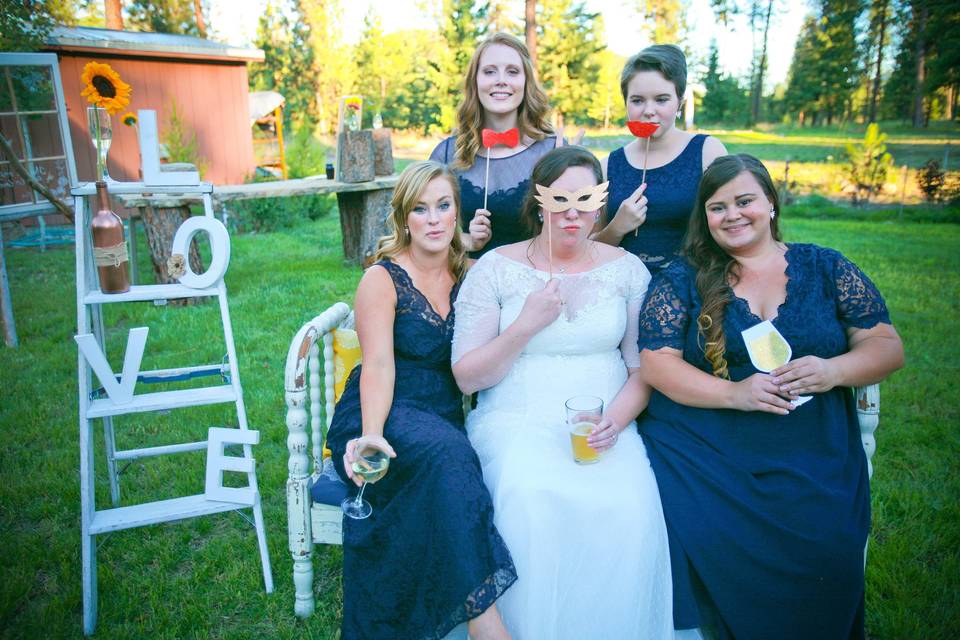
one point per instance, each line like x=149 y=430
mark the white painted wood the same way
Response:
x=91 y=339
x=163 y=400
x=868 y=415
x=147 y=452
x=218 y=462
x=6 y=302
x=153 y=173
x=148 y=292
x=132 y=191
x=219 y=250
x=119 y=392
x=309 y=524
x=140 y=515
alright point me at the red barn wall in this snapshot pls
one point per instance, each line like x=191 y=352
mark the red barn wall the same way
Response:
x=212 y=101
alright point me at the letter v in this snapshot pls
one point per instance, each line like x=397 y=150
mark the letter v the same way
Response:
x=119 y=392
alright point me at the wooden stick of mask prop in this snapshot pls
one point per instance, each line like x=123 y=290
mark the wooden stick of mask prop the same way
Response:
x=553 y=200
x=642 y=130
x=490 y=138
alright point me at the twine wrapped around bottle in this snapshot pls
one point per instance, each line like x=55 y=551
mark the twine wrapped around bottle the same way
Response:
x=110 y=256
x=109 y=245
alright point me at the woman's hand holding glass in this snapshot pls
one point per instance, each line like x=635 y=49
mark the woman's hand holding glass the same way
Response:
x=805 y=375
x=605 y=434
x=356 y=446
x=760 y=393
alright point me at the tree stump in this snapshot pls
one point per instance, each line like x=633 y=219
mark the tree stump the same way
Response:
x=355 y=156
x=363 y=219
x=382 y=152
x=160 y=224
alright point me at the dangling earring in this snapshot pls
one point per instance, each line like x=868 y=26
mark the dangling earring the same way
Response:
x=596 y=217
x=679 y=112
x=407 y=230
x=773 y=213
x=540 y=217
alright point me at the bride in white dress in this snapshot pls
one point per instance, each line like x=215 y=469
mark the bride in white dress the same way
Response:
x=589 y=542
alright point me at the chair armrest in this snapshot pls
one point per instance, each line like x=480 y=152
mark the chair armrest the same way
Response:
x=867 y=402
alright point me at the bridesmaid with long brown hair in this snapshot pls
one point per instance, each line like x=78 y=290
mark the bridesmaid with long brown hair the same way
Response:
x=765 y=494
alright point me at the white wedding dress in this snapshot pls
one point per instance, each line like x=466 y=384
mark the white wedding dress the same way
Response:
x=589 y=542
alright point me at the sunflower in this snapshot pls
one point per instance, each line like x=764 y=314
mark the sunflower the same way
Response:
x=104 y=88
x=129 y=119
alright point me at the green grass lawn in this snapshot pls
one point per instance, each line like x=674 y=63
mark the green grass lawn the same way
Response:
x=201 y=578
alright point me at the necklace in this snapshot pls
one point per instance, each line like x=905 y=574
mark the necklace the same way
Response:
x=562 y=269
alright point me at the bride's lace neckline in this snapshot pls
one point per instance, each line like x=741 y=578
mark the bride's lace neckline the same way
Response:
x=559 y=272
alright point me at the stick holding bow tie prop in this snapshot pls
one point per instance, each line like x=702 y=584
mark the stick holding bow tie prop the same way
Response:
x=642 y=130
x=490 y=138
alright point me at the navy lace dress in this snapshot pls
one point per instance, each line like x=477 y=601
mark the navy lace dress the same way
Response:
x=429 y=557
x=671 y=193
x=767 y=515
x=509 y=182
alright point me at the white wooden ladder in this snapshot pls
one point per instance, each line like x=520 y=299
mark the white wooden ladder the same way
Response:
x=90 y=321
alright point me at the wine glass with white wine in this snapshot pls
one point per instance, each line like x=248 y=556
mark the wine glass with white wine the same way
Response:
x=371 y=465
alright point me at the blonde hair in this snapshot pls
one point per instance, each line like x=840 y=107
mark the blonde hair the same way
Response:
x=531 y=115
x=406 y=195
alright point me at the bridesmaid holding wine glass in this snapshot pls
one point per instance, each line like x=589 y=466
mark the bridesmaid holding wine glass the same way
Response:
x=424 y=556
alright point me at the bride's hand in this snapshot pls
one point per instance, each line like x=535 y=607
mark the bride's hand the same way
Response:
x=604 y=435
x=541 y=307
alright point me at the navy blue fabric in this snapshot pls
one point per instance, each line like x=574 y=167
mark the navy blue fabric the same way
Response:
x=671 y=193
x=767 y=515
x=429 y=557
x=327 y=490
x=509 y=183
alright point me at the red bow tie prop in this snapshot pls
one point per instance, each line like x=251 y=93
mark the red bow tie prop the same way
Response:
x=643 y=130
x=490 y=138
x=509 y=138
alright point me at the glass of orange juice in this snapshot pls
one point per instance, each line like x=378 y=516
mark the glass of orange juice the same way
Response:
x=583 y=414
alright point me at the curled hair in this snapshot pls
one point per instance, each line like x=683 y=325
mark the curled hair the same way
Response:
x=667 y=59
x=531 y=116
x=717 y=271
x=547 y=170
x=406 y=195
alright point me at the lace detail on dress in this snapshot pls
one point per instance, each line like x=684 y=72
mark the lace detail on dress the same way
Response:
x=495 y=278
x=664 y=318
x=859 y=302
x=416 y=302
x=478 y=601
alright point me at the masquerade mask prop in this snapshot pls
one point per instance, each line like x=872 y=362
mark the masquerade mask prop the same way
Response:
x=553 y=200
x=490 y=138
x=642 y=130
x=768 y=350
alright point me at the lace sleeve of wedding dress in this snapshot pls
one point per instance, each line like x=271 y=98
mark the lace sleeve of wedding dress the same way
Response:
x=477 y=307
x=638 y=278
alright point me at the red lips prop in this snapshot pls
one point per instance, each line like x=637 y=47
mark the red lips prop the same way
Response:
x=642 y=129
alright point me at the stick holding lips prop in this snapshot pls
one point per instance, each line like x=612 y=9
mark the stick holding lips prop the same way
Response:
x=490 y=138
x=642 y=130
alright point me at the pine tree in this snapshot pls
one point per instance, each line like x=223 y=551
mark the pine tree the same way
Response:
x=288 y=61
x=163 y=16
x=725 y=100
x=569 y=41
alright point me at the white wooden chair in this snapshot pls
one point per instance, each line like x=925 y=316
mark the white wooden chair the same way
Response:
x=312 y=522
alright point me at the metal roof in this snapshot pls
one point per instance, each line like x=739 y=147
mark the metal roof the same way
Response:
x=144 y=43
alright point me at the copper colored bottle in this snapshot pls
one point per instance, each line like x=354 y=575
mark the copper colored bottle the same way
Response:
x=109 y=247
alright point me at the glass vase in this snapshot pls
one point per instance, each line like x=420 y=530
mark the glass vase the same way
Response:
x=101 y=133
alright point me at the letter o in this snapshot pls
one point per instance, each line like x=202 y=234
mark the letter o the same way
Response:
x=219 y=250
